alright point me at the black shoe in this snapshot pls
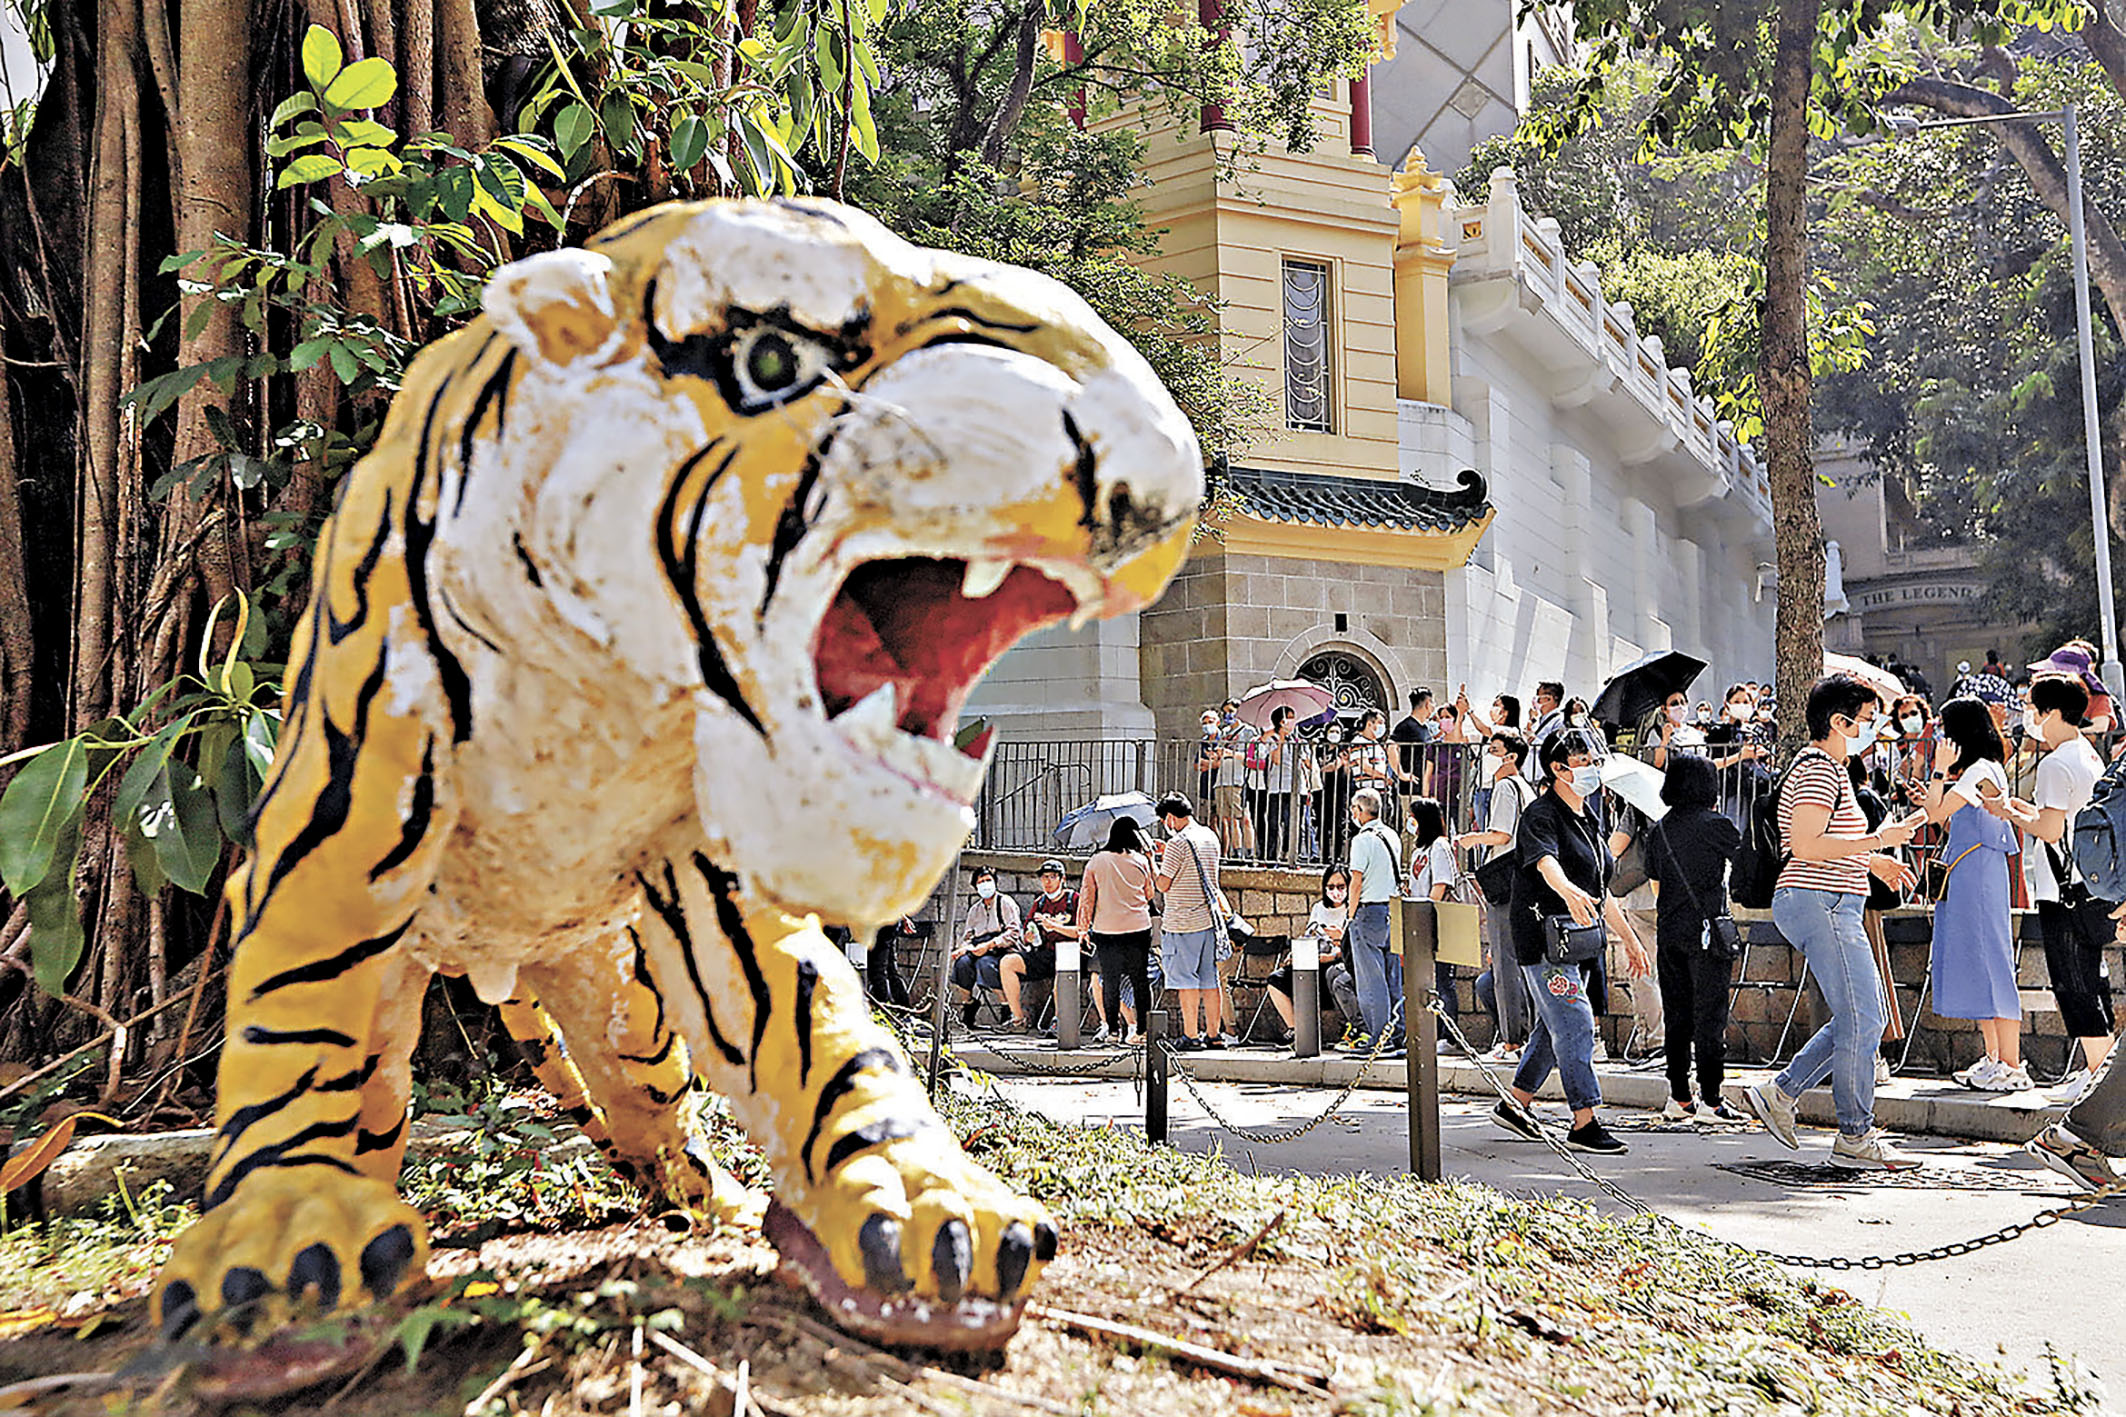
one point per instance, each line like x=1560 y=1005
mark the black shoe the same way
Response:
x=1214 y=1040
x=1516 y=1120
x=1187 y=1043
x=968 y=1013
x=1595 y=1137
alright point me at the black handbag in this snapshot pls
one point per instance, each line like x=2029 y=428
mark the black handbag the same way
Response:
x=1495 y=878
x=1567 y=943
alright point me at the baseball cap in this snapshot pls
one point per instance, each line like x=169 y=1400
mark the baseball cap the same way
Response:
x=1051 y=864
x=2070 y=661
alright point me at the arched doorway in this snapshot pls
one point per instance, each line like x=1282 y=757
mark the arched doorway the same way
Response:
x=1355 y=684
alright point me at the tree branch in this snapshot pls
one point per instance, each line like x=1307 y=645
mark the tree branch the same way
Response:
x=2047 y=174
x=2106 y=41
x=1023 y=64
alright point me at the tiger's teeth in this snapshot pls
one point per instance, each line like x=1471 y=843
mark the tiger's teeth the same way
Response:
x=871 y=719
x=984 y=575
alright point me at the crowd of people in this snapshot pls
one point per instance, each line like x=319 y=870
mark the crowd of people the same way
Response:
x=1968 y=806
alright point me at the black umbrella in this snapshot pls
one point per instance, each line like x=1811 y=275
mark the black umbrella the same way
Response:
x=1643 y=685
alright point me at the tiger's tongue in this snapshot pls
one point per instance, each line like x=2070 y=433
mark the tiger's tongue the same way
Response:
x=905 y=623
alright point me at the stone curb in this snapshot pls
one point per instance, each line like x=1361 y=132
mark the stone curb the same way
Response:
x=1914 y=1106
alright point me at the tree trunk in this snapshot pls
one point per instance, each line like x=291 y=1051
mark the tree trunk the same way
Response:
x=1783 y=369
x=461 y=94
x=18 y=629
x=2107 y=40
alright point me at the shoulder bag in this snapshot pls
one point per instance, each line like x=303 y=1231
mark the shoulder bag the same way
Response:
x=1494 y=877
x=1566 y=942
x=1234 y=927
x=1722 y=937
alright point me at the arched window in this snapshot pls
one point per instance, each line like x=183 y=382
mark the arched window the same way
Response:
x=1354 y=682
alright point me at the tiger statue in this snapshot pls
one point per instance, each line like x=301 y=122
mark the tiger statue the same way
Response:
x=637 y=647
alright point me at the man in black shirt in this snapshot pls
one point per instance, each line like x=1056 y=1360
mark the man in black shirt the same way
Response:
x=1415 y=731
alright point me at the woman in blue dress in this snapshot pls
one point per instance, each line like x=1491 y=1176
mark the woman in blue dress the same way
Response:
x=1974 y=944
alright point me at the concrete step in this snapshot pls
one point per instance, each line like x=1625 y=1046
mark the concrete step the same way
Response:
x=1915 y=1106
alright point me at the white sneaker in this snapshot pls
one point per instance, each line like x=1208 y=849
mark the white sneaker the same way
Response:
x=1982 y=1076
x=1776 y=1110
x=1882 y=1071
x=2072 y=1088
x=2015 y=1079
x=1679 y=1111
x=1870 y=1151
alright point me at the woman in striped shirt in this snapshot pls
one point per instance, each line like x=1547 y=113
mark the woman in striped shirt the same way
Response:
x=1821 y=893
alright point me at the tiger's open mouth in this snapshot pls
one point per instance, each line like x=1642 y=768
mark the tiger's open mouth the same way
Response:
x=906 y=640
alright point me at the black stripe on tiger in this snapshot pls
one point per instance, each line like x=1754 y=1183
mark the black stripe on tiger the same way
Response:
x=656 y=1059
x=419 y=812
x=354 y=1080
x=241 y=1120
x=680 y=569
x=642 y=976
x=272 y=1155
x=295 y=703
x=1085 y=472
x=675 y=919
x=724 y=886
x=420 y=534
x=464 y=624
x=807 y=981
x=320 y=971
x=877 y=1134
x=343 y=752
x=338 y=629
x=275 y=1037
x=367 y=1142
x=531 y=567
x=972 y=317
x=794 y=523
x=494 y=392
x=838 y=1087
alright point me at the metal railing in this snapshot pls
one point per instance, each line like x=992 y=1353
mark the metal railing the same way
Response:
x=1297 y=814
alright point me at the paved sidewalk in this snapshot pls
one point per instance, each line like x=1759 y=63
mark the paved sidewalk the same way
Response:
x=2004 y=1303
x=1914 y=1106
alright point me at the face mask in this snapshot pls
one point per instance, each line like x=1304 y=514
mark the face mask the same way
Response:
x=1053 y=893
x=1743 y=712
x=1913 y=723
x=1587 y=781
x=1338 y=892
x=985 y=889
x=1577 y=720
x=2030 y=724
x=1863 y=736
x=1675 y=715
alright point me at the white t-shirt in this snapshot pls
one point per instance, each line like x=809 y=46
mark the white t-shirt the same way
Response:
x=2066 y=779
x=1983 y=771
x=1436 y=867
x=1324 y=915
x=1509 y=796
x=1373 y=852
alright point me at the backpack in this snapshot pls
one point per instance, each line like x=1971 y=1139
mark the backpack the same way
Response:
x=1763 y=856
x=2098 y=838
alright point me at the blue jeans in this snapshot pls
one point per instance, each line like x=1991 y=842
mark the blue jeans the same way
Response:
x=1564 y=1034
x=1825 y=927
x=1379 y=973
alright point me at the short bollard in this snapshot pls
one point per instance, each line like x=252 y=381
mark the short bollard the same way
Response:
x=1418 y=924
x=859 y=959
x=1070 y=1011
x=1155 y=1075
x=1306 y=996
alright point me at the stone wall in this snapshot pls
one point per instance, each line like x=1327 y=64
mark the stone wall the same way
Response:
x=1232 y=621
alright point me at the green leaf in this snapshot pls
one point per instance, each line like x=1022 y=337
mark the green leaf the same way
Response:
x=185 y=830
x=292 y=142
x=56 y=939
x=617 y=116
x=860 y=122
x=261 y=732
x=310 y=167
x=532 y=150
x=292 y=107
x=690 y=142
x=37 y=810
x=367 y=83
x=321 y=56
x=233 y=795
x=372 y=162
x=418 y=1327
x=573 y=127
x=140 y=854
x=309 y=352
x=362 y=133
x=501 y=180
x=760 y=163
x=343 y=363
x=140 y=777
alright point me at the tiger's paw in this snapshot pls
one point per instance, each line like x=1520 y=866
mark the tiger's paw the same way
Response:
x=917 y=1244
x=287 y=1244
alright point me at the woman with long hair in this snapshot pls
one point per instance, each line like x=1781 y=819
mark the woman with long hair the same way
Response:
x=1974 y=938
x=1115 y=906
x=1325 y=922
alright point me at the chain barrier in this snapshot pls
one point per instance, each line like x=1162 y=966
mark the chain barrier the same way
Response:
x=1954 y=1249
x=1072 y=1070
x=1281 y=1135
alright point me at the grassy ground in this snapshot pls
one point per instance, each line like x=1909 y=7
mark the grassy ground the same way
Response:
x=1349 y=1296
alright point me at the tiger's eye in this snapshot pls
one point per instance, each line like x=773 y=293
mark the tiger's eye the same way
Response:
x=771 y=363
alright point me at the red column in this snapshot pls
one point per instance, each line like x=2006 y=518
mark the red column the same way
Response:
x=1362 y=115
x=1074 y=53
x=1209 y=13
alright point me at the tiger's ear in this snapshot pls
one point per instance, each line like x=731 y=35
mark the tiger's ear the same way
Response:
x=557 y=307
